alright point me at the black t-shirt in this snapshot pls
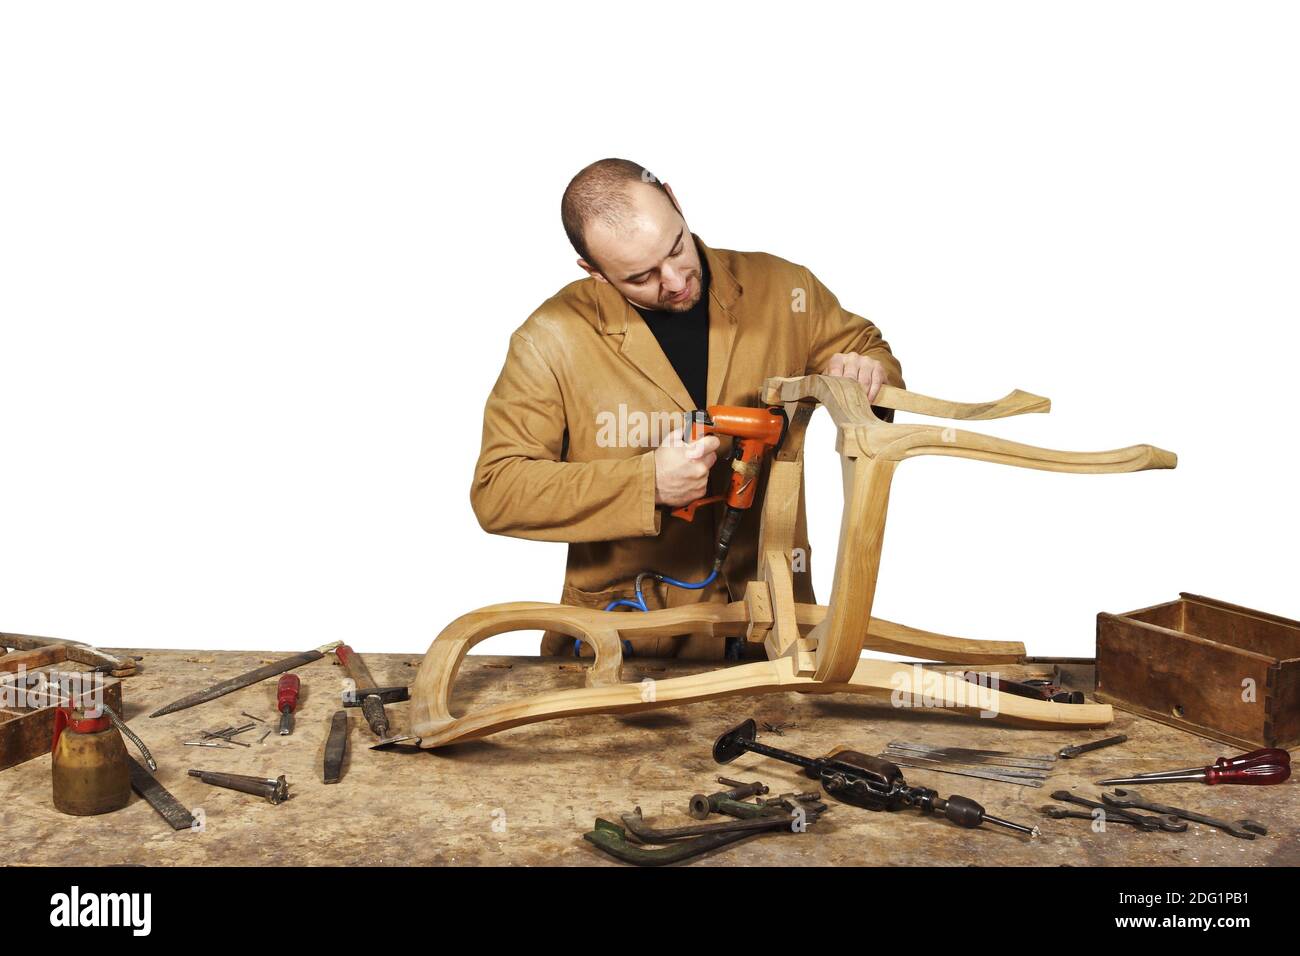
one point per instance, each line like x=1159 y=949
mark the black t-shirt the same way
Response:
x=684 y=337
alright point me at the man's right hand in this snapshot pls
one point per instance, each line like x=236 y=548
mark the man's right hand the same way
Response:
x=682 y=469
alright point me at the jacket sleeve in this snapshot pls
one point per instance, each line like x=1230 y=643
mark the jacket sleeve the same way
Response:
x=523 y=487
x=835 y=329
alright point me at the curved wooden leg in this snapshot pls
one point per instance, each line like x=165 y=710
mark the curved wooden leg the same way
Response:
x=431 y=691
x=905 y=685
x=603 y=630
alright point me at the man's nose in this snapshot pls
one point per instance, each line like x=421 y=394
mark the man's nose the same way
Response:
x=672 y=280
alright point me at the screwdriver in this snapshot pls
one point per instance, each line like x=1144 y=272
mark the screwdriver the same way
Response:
x=286 y=701
x=1257 y=768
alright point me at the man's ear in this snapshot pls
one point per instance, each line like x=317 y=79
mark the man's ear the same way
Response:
x=591 y=270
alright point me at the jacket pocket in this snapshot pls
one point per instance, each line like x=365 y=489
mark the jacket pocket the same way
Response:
x=597 y=600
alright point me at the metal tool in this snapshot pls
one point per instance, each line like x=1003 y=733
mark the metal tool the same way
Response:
x=995 y=758
x=275 y=791
x=1257 y=768
x=246 y=680
x=989 y=771
x=130 y=735
x=864 y=781
x=1130 y=799
x=773 y=818
x=1158 y=822
x=1063 y=813
x=1031 y=778
x=371 y=702
x=1033 y=689
x=336 y=747
x=701 y=806
x=237 y=743
x=286 y=701
x=231 y=731
x=227 y=734
x=613 y=839
x=1069 y=753
x=158 y=797
x=789 y=812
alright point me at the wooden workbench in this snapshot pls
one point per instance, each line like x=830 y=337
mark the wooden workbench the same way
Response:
x=525 y=796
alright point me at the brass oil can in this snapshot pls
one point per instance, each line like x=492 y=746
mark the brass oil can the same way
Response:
x=89 y=764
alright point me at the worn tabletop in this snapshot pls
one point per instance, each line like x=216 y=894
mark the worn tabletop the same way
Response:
x=526 y=795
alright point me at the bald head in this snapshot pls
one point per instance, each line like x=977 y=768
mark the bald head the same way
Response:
x=629 y=232
x=604 y=193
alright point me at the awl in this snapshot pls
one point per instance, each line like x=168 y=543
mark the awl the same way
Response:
x=1258 y=768
x=246 y=680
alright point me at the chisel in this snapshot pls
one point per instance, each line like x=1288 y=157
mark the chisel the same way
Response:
x=286 y=701
x=336 y=747
x=246 y=680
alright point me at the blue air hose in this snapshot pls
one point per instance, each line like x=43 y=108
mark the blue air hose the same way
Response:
x=640 y=605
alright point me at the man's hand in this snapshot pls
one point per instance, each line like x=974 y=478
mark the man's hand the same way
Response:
x=852 y=365
x=682 y=469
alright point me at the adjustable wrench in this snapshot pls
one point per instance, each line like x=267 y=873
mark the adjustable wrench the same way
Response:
x=1160 y=822
x=1243 y=829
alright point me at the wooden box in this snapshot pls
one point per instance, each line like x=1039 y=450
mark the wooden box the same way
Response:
x=28 y=731
x=1207 y=667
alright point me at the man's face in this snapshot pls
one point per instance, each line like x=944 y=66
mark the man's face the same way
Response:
x=650 y=256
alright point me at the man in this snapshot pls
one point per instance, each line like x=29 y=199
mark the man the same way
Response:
x=575 y=446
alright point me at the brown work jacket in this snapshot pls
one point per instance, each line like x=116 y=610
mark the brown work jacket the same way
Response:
x=586 y=394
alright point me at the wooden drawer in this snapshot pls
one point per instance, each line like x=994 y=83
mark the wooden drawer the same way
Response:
x=1205 y=666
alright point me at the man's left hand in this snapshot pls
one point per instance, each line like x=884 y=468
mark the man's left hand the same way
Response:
x=866 y=370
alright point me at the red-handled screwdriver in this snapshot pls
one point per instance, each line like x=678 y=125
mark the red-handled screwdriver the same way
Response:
x=1271 y=755
x=286 y=701
x=1257 y=768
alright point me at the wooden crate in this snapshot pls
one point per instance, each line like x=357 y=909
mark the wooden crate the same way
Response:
x=1212 y=668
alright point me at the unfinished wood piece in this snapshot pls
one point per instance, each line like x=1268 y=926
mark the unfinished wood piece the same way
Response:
x=60 y=650
x=811 y=648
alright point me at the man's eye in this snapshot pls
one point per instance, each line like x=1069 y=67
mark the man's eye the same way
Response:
x=677 y=253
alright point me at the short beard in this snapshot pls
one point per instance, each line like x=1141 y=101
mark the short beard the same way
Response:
x=686 y=306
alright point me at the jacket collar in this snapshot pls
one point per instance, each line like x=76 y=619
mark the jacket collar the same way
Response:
x=615 y=316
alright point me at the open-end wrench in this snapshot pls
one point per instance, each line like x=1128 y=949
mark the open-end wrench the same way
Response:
x=1243 y=829
x=1109 y=816
x=1159 y=822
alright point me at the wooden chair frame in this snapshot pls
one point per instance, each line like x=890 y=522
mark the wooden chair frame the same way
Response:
x=810 y=648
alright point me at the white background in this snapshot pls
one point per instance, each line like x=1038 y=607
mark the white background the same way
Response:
x=259 y=263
